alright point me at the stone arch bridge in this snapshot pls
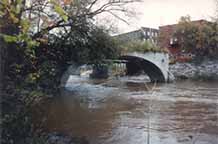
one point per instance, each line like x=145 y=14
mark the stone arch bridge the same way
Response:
x=154 y=64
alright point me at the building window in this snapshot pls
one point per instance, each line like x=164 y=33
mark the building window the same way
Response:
x=144 y=33
x=173 y=41
x=148 y=33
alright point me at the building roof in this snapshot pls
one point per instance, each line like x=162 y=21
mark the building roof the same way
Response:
x=138 y=30
x=194 y=21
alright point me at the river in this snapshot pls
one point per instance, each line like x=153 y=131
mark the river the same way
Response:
x=129 y=111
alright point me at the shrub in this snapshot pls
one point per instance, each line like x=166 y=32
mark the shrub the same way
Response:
x=140 y=46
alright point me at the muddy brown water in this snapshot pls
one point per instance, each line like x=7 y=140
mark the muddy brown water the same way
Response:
x=128 y=111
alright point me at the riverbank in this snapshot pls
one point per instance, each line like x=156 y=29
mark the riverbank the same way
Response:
x=18 y=120
x=206 y=70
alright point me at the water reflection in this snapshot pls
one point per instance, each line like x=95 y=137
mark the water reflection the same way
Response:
x=118 y=111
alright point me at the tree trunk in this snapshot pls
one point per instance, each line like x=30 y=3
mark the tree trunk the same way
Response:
x=2 y=64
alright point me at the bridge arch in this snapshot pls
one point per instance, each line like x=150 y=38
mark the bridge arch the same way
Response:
x=155 y=65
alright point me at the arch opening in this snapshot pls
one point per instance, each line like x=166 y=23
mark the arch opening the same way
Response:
x=135 y=65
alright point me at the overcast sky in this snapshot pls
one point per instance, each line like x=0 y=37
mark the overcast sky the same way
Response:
x=154 y=13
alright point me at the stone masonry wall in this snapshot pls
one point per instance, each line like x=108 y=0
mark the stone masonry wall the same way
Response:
x=207 y=70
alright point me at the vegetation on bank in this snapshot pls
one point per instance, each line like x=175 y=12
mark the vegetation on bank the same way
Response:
x=39 y=40
x=198 y=38
x=140 y=46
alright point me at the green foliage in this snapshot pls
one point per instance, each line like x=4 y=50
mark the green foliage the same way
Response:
x=85 y=44
x=32 y=77
x=25 y=24
x=140 y=46
x=59 y=10
x=22 y=38
x=36 y=57
x=198 y=38
x=102 y=46
x=10 y=39
x=186 y=33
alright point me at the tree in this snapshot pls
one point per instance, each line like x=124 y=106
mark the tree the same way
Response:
x=199 y=38
x=46 y=15
x=27 y=23
x=27 y=27
x=186 y=33
x=38 y=39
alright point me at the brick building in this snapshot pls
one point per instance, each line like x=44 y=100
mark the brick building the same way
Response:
x=144 y=34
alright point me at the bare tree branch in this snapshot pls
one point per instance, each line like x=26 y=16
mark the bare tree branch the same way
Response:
x=81 y=10
x=118 y=17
